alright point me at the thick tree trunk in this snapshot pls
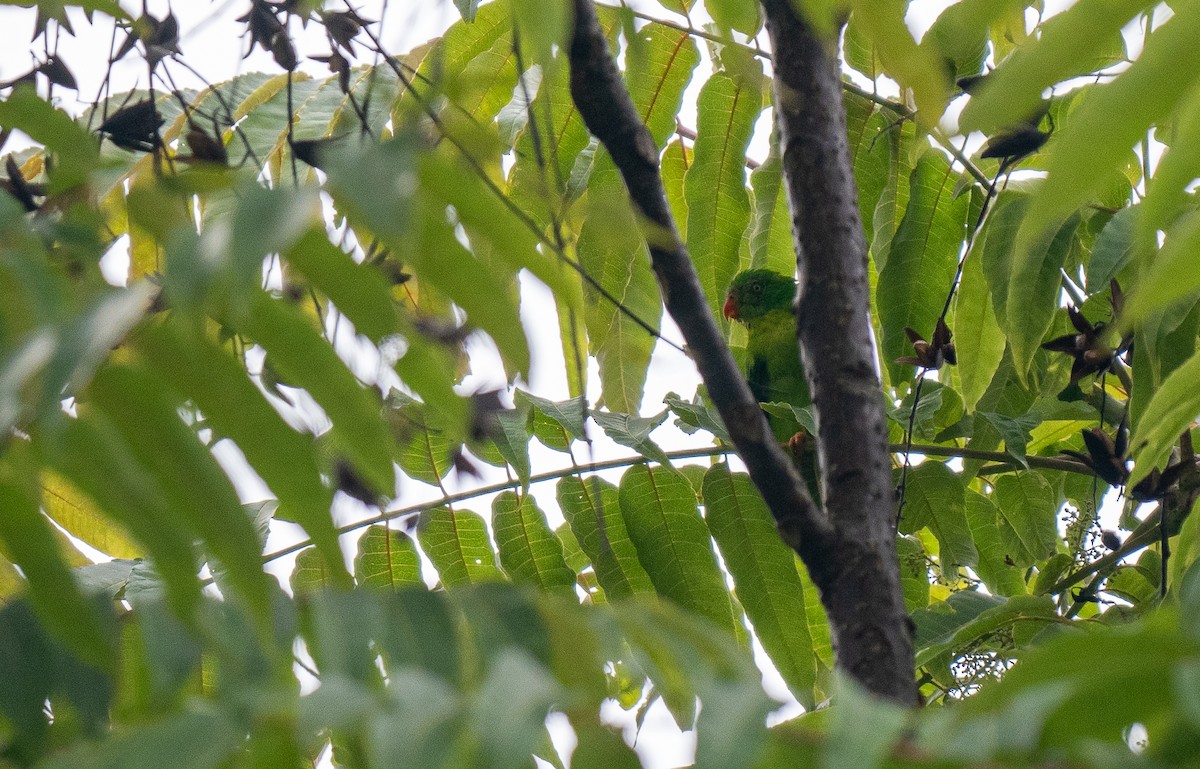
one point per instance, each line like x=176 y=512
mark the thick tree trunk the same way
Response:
x=850 y=551
x=859 y=578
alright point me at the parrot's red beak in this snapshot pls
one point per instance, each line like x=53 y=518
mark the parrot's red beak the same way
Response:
x=731 y=308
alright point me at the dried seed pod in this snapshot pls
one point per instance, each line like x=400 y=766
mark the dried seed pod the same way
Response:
x=58 y=73
x=135 y=127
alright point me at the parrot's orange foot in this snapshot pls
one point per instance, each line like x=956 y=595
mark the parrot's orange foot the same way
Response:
x=798 y=444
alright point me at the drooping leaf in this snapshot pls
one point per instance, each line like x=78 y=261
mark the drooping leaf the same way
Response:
x=528 y=549
x=592 y=509
x=284 y=458
x=764 y=575
x=673 y=544
x=923 y=257
x=53 y=592
x=715 y=185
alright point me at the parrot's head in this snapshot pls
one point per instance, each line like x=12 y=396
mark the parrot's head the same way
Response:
x=754 y=293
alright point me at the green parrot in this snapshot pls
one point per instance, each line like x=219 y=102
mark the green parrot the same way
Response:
x=762 y=300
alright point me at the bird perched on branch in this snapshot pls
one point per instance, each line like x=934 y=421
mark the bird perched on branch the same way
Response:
x=762 y=300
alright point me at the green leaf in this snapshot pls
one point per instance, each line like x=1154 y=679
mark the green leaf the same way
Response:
x=771 y=243
x=420 y=631
x=426 y=447
x=979 y=340
x=556 y=424
x=601 y=748
x=387 y=559
x=593 y=512
x=1173 y=174
x=511 y=439
x=1170 y=411
x=306 y=359
x=27 y=666
x=1036 y=278
x=359 y=292
x=147 y=417
x=914 y=572
x=1028 y=507
x=508 y=713
x=673 y=543
x=529 y=551
x=74 y=149
x=764 y=575
x=634 y=432
x=457 y=543
x=673 y=169
x=1014 y=431
x=1114 y=246
x=936 y=625
x=1170 y=277
x=696 y=416
x=923 y=258
x=76 y=513
x=1091 y=146
x=996 y=566
x=964 y=628
x=613 y=251
x=418 y=723
x=863 y=728
x=309 y=576
x=230 y=402
x=715 y=184
x=197 y=738
x=934 y=498
x=911 y=65
x=740 y=15
x=869 y=132
x=658 y=67
x=91 y=453
x=1015 y=89
x=959 y=37
x=30 y=544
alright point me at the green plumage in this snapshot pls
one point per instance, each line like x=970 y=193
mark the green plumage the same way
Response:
x=762 y=300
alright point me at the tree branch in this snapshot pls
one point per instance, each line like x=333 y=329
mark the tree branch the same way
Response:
x=609 y=113
x=858 y=576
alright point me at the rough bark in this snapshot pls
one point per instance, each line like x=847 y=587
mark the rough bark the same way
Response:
x=608 y=111
x=859 y=579
x=849 y=549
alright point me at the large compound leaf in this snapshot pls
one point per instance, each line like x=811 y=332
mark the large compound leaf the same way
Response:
x=141 y=409
x=673 y=544
x=1093 y=144
x=922 y=260
x=593 y=512
x=235 y=407
x=715 y=185
x=764 y=575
